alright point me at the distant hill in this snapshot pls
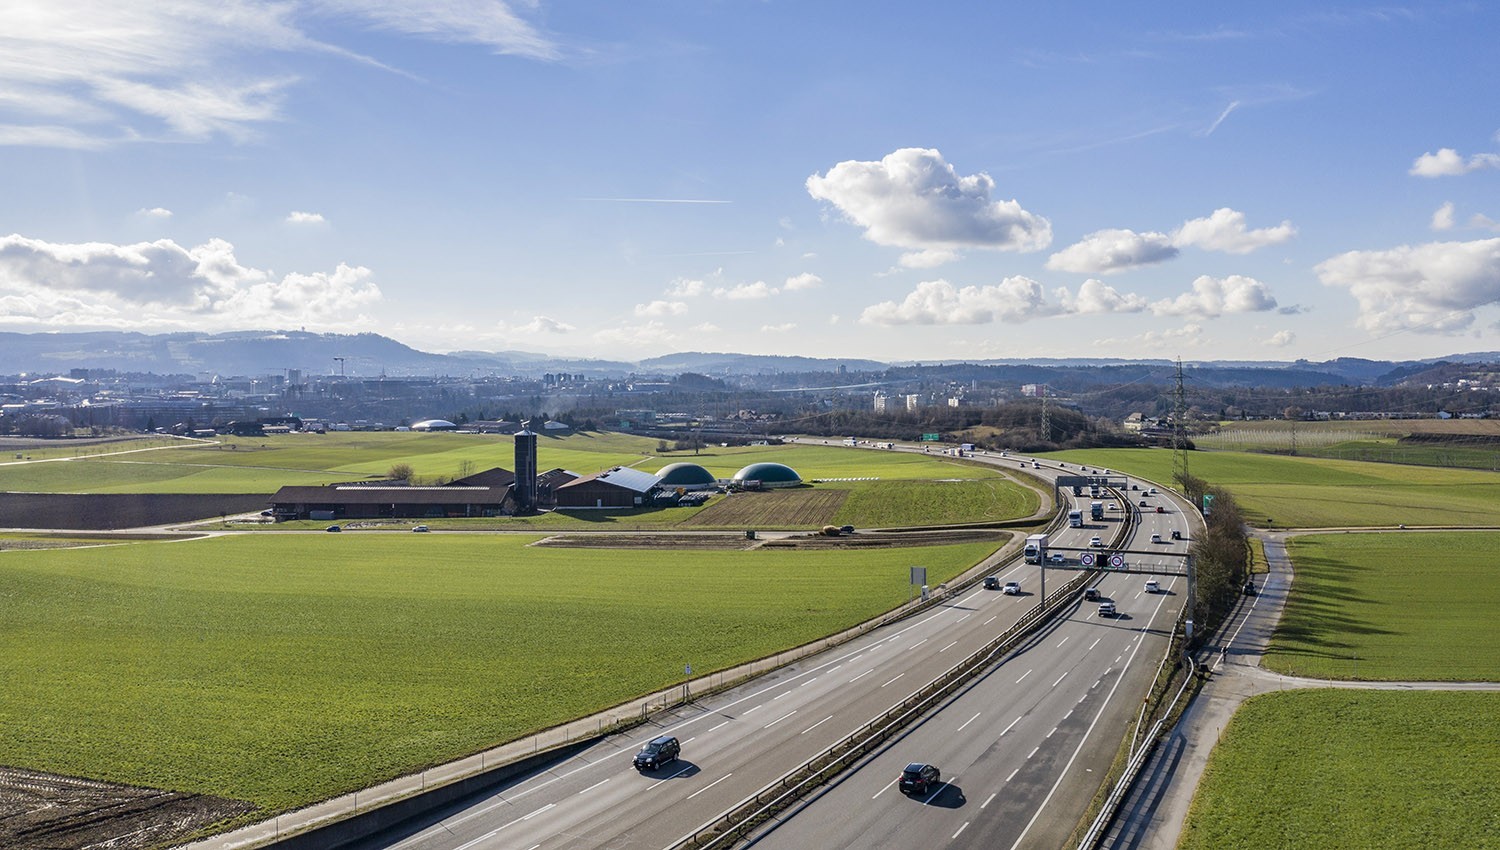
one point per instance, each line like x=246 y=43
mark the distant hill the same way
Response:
x=752 y=364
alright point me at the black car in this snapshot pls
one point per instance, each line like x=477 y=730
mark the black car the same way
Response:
x=1250 y=587
x=919 y=778
x=991 y=582
x=1091 y=594
x=657 y=752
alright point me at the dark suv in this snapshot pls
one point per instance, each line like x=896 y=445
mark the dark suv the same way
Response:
x=657 y=752
x=919 y=778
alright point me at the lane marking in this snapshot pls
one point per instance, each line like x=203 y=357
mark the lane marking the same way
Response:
x=757 y=708
x=886 y=788
x=1070 y=711
x=1012 y=776
x=1061 y=642
x=709 y=785
x=779 y=719
x=1092 y=645
x=670 y=778
x=1059 y=679
x=808 y=682
x=948 y=647
x=720 y=726
x=970 y=720
x=898 y=675
x=1012 y=725
x=961 y=829
x=919 y=643
x=938 y=790
x=775 y=698
x=961 y=619
x=991 y=797
x=990 y=620
x=592 y=787
x=1054 y=729
x=1023 y=676
x=862 y=675
x=816 y=725
x=1033 y=752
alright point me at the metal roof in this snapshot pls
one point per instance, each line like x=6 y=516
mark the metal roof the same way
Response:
x=620 y=476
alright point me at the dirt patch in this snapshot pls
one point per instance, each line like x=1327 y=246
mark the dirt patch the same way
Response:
x=44 y=811
x=886 y=540
x=772 y=509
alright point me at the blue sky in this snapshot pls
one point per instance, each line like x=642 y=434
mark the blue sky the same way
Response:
x=893 y=181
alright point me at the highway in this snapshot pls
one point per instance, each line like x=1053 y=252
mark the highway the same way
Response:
x=737 y=742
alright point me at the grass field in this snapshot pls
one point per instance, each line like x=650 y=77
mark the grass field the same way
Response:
x=1319 y=493
x=284 y=669
x=1353 y=770
x=1391 y=606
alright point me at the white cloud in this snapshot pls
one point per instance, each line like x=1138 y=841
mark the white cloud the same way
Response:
x=1432 y=288
x=544 y=325
x=705 y=328
x=1224 y=230
x=938 y=302
x=834 y=318
x=1213 y=297
x=929 y=259
x=1281 y=339
x=684 y=288
x=1480 y=220
x=1096 y=297
x=806 y=280
x=637 y=334
x=782 y=328
x=154 y=212
x=1188 y=336
x=746 y=291
x=1447 y=163
x=912 y=198
x=299 y=217
x=661 y=308
x=164 y=285
x=1442 y=219
x=1110 y=251
x=87 y=74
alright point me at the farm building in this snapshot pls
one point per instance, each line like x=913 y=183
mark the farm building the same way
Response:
x=434 y=425
x=770 y=475
x=685 y=476
x=354 y=501
x=619 y=487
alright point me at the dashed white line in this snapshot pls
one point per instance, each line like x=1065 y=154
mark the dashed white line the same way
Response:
x=990 y=620
x=539 y=811
x=970 y=720
x=1023 y=676
x=1117 y=658
x=961 y=619
x=779 y=719
x=720 y=726
x=1013 y=773
x=990 y=798
x=1054 y=729
x=1033 y=752
x=1092 y=645
x=808 y=682
x=862 y=675
x=1061 y=642
x=816 y=725
x=919 y=643
x=1012 y=725
x=898 y=675
x=886 y=788
x=757 y=708
x=709 y=785
x=961 y=829
x=1059 y=680
x=779 y=696
x=592 y=787
x=948 y=647
x=1070 y=712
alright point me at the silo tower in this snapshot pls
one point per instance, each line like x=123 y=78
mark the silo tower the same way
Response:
x=525 y=486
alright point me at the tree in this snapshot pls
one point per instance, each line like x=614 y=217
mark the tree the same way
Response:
x=399 y=472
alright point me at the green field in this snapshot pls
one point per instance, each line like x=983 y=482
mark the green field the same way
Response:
x=284 y=669
x=1391 y=606
x=1320 y=493
x=1350 y=770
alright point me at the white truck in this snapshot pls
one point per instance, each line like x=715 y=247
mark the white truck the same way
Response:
x=1036 y=548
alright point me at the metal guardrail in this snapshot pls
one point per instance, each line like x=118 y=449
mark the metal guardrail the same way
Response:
x=736 y=823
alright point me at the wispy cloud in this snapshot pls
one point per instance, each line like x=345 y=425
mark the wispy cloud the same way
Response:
x=1233 y=105
x=654 y=201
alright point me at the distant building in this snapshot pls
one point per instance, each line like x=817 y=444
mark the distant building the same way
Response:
x=768 y=475
x=620 y=487
x=881 y=402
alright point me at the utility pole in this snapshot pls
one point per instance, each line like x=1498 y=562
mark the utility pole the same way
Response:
x=1046 y=419
x=1179 y=443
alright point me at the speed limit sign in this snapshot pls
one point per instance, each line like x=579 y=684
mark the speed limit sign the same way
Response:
x=1116 y=561
x=1086 y=559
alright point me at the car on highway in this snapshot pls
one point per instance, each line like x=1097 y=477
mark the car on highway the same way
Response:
x=919 y=778
x=333 y=528
x=991 y=582
x=1106 y=609
x=1091 y=594
x=1135 y=486
x=1143 y=503
x=420 y=529
x=1151 y=492
x=658 y=751
x=1012 y=588
x=1160 y=509
x=1155 y=538
x=1096 y=542
x=1152 y=585
x=1176 y=535
x=1057 y=558
x=1249 y=587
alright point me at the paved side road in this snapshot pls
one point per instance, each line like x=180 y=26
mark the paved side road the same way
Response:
x=1154 y=812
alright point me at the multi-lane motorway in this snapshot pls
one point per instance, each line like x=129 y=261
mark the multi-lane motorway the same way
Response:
x=1022 y=748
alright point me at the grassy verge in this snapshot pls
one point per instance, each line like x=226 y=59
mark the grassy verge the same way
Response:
x=1258 y=562
x=1348 y=770
x=1392 y=606
x=283 y=670
x=1292 y=492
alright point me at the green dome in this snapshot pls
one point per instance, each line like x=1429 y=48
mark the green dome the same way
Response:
x=769 y=475
x=684 y=475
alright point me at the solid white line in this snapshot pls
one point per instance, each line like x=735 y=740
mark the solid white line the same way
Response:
x=1012 y=776
x=779 y=719
x=938 y=790
x=898 y=675
x=1012 y=725
x=1023 y=675
x=816 y=725
x=709 y=785
x=961 y=829
x=1059 y=680
x=970 y=720
x=592 y=787
x=948 y=647
x=991 y=797
x=862 y=675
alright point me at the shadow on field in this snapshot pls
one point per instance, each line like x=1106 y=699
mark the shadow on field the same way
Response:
x=1317 y=621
